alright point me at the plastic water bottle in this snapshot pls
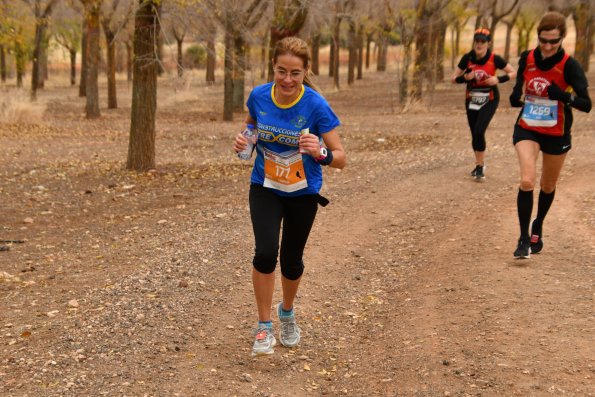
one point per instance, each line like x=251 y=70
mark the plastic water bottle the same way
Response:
x=305 y=131
x=249 y=132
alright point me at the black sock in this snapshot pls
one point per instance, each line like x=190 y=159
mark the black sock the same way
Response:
x=543 y=205
x=524 y=203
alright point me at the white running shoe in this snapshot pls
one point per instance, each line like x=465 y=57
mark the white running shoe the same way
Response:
x=264 y=341
x=290 y=333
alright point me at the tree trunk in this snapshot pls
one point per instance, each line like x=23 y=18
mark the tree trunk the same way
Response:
x=72 y=52
x=352 y=54
x=160 y=65
x=141 y=147
x=180 y=57
x=2 y=64
x=404 y=84
x=315 y=49
x=508 y=39
x=421 y=60
x=20 y=60
x=228 y=70
x=336 y=59
x=92 y=84
x=110 y=38
x=239 y=73
x=263 y=57
x=83 y=76
x=129 y=65
x=44 y=61
x=441 y=39
x=360 y=52
x=210 y=77
x=331 y=58
x=368 y=45
x=36 y=69
x=382 y=54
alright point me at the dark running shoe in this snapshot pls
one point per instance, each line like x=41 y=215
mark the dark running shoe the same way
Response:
x=478 y=172
x=523 y=250
x=536 y=241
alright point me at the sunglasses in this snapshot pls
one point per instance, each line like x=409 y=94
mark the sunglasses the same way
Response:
x=482 y=41
x=549 y=41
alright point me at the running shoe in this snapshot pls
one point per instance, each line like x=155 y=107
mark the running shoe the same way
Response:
x=290 y=333
x=523 y=250
x=536 y=241
x=478 y=172
x=264 y=341
x=474 y=172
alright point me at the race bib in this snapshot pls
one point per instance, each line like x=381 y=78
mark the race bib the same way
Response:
x=540 y=112
x=478 y=99
x=284 y=171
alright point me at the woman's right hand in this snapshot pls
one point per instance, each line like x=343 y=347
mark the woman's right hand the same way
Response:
x=240 y=143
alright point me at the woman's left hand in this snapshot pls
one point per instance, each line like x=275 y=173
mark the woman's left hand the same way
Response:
x=310 y=144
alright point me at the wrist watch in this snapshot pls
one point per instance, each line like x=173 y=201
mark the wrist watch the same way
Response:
x=323 y=154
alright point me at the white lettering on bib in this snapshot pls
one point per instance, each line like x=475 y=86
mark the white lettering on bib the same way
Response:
x=478 y=99
x=540 y=112
x=284 y=171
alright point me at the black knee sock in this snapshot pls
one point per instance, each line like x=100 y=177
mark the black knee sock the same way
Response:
x=524 y=203
x=543 y=205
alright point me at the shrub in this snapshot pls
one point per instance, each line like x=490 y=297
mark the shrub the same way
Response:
x=16 y=107
x=195 y=57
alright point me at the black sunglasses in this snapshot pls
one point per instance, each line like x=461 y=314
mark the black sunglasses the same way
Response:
x=550 y=41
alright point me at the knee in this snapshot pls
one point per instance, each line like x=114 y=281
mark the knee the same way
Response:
x=265 y=262
x=527 y=184
x=548 y=187
x=292 y=270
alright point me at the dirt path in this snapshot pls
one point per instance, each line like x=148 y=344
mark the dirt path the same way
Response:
x=140 y=284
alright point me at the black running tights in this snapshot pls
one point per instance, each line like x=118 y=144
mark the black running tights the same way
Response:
x=478 y=123
x=267 y=210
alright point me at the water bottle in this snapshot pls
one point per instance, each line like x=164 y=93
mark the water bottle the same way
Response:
x=305 y=131
x=249 y=133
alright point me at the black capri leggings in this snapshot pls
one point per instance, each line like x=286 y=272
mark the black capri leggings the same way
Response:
x=267 y=209
x=479 y=121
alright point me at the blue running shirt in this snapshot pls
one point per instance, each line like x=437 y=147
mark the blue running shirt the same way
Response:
x=278 y=164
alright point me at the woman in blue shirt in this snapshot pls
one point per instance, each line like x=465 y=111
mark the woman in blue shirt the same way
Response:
x=296 y=135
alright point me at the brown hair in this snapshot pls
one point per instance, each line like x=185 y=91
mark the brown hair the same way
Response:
x=299 y=48
x=552 y=20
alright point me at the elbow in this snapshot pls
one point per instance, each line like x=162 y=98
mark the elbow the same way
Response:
x=340 y=164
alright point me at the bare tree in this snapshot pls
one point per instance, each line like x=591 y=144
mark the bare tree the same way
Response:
x=457 y=16
x=141 y=146
x=92 y=26
x=42 y=11
x=583 y=15
x=237 y=19
x=115 y=16
x=428 y=14
x=67 y=32
x=176 y=20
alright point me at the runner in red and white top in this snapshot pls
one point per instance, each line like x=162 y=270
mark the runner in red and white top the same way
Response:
x=477 y=69
x=553 y=83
